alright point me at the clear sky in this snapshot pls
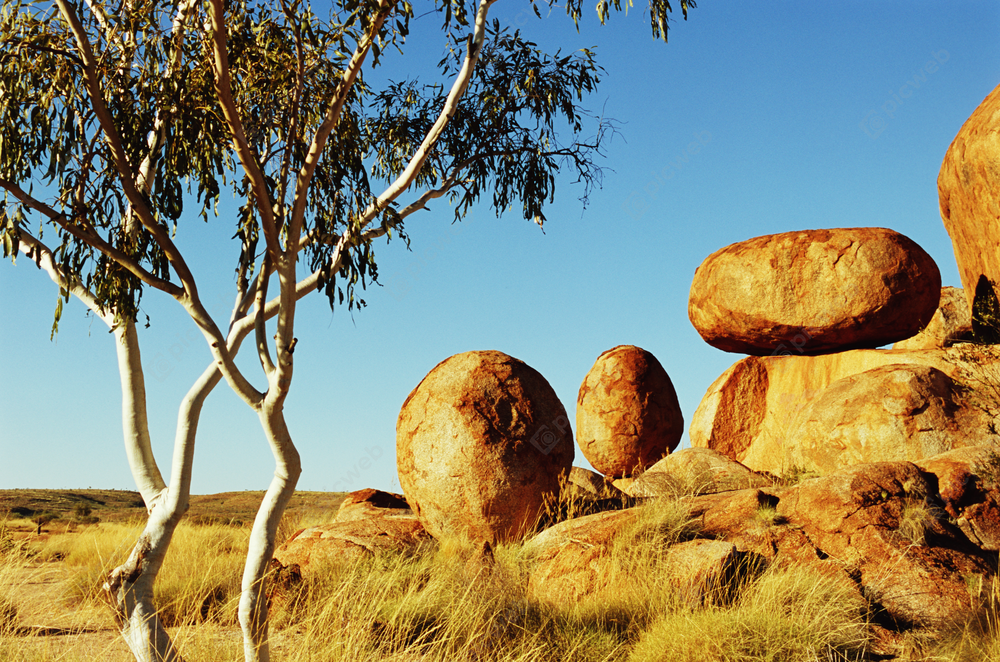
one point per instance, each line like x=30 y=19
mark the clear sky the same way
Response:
x=756 y=118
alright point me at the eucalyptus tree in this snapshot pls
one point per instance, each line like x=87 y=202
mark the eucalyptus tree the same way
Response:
x=121 y=123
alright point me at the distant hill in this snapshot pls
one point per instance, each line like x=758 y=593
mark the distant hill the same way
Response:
x=116 y=505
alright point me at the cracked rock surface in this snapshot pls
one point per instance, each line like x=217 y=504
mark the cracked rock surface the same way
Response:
x=627 y=413
x=814 y=291
x=480 y=443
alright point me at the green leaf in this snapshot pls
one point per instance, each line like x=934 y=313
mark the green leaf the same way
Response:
x=58 y=315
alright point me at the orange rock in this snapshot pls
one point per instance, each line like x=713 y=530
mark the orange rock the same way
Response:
x=627 y=414
x=747 y=412
x=369 y=502
x=695 y=471
x=952 y=322
x=814 y=291
x=893 y=412
x=572 y=560
x=481 y=442
x=882 y=522
x=969 y=486
x=347 y=541
x=969 y=195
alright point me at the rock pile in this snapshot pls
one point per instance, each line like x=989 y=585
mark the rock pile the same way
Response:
x=808 y=399
x=880 y=527
x=903 y=508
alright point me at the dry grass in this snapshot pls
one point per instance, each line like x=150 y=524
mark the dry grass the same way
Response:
x=444 y=603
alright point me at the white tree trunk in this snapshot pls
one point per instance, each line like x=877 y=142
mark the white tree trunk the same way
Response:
x=129 y=588
x=130 y=591
x=253 y=605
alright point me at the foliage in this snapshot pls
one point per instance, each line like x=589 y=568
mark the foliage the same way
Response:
x=122 y=143
x=986 y=313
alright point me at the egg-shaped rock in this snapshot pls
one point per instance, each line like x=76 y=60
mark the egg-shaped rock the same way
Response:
x=627 y=414
x=481 y=443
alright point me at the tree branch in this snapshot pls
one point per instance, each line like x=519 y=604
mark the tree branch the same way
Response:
x=138 y=447
x=248 y=159
x=119 y=157
x=260 y=297
x=333 y=114
x=93 y=240
x=405 y=179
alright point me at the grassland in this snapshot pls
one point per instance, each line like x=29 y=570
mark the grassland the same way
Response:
x=438 y=604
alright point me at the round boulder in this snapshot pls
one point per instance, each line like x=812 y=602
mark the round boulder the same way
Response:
x=481 y=443
x=814 y=292
x=894 y=412
x=969 y=195
x=627 y=414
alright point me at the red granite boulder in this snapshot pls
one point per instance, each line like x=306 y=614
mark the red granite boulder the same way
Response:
x=969 y=195
x=481 y=443
x=627 y=414
x=814 y=292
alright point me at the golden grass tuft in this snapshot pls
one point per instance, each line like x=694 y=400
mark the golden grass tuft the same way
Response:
x=792 y=615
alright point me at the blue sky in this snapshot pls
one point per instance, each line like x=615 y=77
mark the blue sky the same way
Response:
x=756 y=118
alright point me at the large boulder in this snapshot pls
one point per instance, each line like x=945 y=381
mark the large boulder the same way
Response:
x=952 y=322
x=747 y=411
x=814 y=291
x=694 y=471
x=481 y=443
x=627 y=414
x=893 y=412
x=883 y=522
x=969 y=195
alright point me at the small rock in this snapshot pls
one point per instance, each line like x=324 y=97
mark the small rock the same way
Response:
x=695 y=471
x=952 y=322
x=368 y=503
